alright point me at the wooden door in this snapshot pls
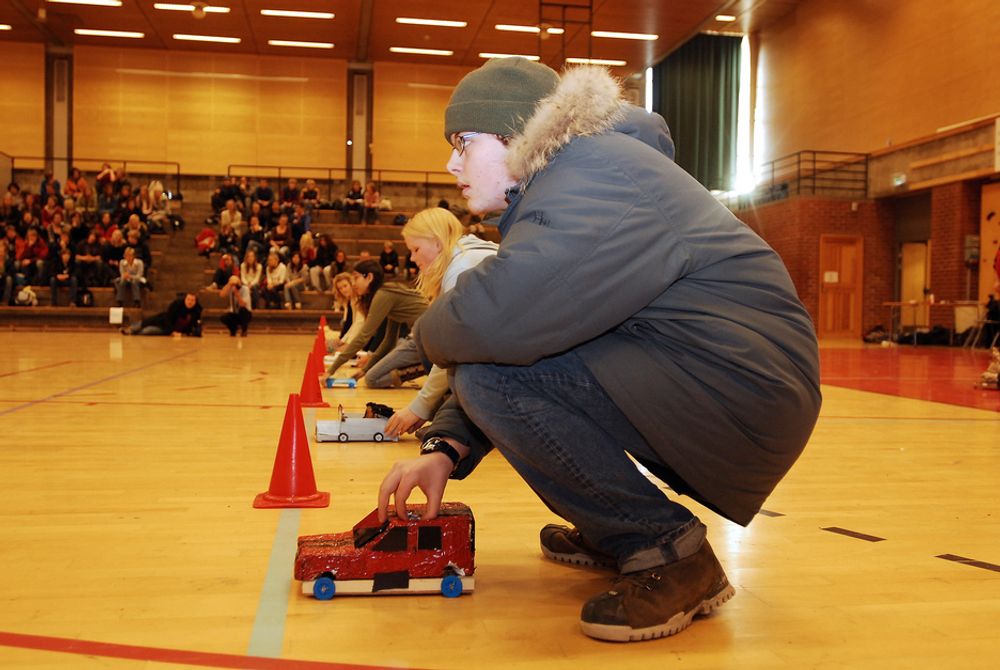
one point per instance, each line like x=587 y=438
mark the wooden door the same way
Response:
x=841 y=259
x=915 y=266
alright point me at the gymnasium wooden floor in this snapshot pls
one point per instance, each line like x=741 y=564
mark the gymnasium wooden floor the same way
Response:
x=127 y=537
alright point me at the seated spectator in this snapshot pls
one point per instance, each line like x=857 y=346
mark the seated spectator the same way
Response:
x=89 y=264
x=232 y=215
x=206 y=240
x=389 y=259
x=339 y=262
x=63 y=274
x=130 y=280
x=412 y=270
x=55 y=228
x=135 y=225
x=121 y=180
x=242 y=193
x=371 y=200
x=297 y=279
x=159 y=217
x=222 y=195
x=227 y=268
x=255 y=238
x=307 y=247
x=309 y=198
x=50 y=209
x=123 y=207
x=129 y=208
x=182 y=318
x=280 y=239
x=263 y=215
x=12 y=203
x=290 y=196
x=251 y=275
x=229 y=240
x=240 y=310
x=50 y=186
x=77 y=189
x=61 y=243
x=354 y=201
x=105 y=227
x=142 y=252
x=272 y=286
x=107 y=201
x=32 y=253
x=77 y=231
x=145 y=202
x=112 y=254
x=263 y=195
x=105 y=176
x=319 y=266
x=301 y=221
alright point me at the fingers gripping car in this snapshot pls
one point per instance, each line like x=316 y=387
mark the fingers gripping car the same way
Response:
x=409 y=555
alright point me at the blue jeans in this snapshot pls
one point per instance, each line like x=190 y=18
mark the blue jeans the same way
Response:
x=403 y=355
x=565 y=437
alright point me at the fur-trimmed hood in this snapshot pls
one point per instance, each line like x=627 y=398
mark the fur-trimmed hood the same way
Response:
x=588 y=101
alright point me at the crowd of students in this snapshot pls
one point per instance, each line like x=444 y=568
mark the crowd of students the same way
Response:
x=78 y=236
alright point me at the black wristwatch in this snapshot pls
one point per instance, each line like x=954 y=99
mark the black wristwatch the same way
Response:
x=437 y=445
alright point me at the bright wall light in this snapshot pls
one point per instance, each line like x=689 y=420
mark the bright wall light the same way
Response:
x=596 y=61
x=295 y=14
x=527 y=29
x=492 y=55
x=171 y=7
x=295 y=43
x=431 y=22
x=92 y=32
x=725 y=18
x=649 y=89
x=624 y=36
x=744 y=159
x=426 y=52
x=96 y=3
x=206 y=38
x=5 y=26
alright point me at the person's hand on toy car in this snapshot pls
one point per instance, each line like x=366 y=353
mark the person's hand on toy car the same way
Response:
x=428 y=473
x=403 y=421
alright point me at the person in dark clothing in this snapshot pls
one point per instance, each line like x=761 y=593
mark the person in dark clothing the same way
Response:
x=183 y=317
x=63 y=274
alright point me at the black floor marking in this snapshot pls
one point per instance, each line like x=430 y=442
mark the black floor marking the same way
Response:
x=854 y=534
x=767 y=512
x=970 y=561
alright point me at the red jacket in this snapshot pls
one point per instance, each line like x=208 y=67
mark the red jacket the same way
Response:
x=38 y=251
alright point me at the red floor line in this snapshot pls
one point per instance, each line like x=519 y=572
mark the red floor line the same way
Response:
x=163 y=655
x=143 y=403
x=948 y=419
x=40 y=367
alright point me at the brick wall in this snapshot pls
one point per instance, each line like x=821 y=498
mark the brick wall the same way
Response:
x=954 y=214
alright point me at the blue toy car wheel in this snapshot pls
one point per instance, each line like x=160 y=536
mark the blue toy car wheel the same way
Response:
x=324 y=588
x=451 y=586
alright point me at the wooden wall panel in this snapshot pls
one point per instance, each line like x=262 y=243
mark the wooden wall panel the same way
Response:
x=22 y=106
x=408 y=116
x=206 y=111
x=857 y=75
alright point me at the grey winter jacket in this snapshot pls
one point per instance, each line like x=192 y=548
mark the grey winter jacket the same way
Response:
x=685 y=316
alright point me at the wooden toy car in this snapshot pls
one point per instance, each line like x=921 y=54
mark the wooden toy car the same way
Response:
x=399 y=556
x=369 y=426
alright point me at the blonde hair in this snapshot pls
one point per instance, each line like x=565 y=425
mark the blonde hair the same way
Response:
x=440 y=225
x=306 y=241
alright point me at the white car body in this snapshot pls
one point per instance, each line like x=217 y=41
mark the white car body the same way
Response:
x=352 y=428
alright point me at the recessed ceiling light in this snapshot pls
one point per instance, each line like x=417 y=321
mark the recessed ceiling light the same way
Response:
x=492 y=55
x=5 y=26
x=97 y=3
x=208 y=9
x=296 y=43
x=623 y=36
x=431 y=22
x=295 y=14
x=528 y=29
x=725 y=18
x=596 y=61
x=91 y=32
x=427 y=52
x=206 y=38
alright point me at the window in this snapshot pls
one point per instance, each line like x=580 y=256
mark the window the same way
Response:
x=429 y=537
x=394 y=540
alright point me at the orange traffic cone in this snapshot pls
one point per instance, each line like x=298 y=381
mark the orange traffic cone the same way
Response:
x=322 y=321
x=292 y=481
x=319 y=350
x=311 y=394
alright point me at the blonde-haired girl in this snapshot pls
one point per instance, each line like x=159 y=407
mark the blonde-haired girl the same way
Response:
x=434 y=238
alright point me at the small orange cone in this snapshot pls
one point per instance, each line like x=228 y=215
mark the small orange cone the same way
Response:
x=319 y=350
x=322 y=321
x=292 y=481
x=311 y=394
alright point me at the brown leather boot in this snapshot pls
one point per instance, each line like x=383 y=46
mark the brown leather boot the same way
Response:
x=659 y=601
x=566 y=545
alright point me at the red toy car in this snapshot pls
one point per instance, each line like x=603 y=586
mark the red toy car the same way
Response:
x=399 y=556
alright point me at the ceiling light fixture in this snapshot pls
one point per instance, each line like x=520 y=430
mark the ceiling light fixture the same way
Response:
x=91 y=32
x=426 y=52
x=527 y=29
x=596 y=61
x=206 y=38
x=295 y=14
x=207 y=9
x=5 y=26
x=725 y=18
x=96 y=3
x=431 y=22
x=624 y=36
x=297 y=43
x=493 y=55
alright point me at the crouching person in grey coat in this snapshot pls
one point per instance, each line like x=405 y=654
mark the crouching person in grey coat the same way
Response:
x=627 y=313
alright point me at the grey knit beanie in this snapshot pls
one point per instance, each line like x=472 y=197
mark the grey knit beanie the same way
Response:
x=498 y=97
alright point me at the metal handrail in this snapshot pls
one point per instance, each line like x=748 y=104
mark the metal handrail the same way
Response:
x=75 y=161
x=377 y=175
x=810 y=169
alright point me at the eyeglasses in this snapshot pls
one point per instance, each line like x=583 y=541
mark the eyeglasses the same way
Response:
x=459 y=142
